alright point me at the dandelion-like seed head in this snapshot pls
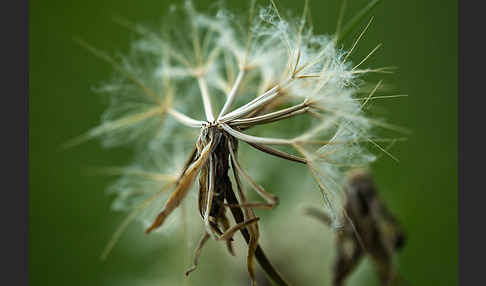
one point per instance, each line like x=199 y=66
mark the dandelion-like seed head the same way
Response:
x=202 y=86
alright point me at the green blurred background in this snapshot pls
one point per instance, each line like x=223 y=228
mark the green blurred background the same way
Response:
x=70 y=217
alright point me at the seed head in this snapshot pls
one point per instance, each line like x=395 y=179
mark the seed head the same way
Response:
x=207 y=83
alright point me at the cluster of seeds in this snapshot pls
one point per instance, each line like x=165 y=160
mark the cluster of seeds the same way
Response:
x=189 y=94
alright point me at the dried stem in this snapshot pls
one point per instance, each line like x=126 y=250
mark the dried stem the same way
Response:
x=244 y=109
x=208 y=108
x=269 y=116
x=184 y=119
x=255 y=139
x=232 y=94
x=278 y=153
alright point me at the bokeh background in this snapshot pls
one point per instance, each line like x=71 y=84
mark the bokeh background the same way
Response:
x=70 y=216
